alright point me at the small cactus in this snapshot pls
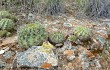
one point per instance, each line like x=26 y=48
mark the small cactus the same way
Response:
x=83 y=33
x=6 y=24
x=4 y=33
x=56 y=37
x=4 y=14
x=31 y=35
x=72 y=38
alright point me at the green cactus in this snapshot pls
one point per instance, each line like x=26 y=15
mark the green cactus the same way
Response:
x=72 y=38
x=31 y=35
x=6 y=24
x=56 y=37
x=83 y=33
x=4 y=14
x=4 y=33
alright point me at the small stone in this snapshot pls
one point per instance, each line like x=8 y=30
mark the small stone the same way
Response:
x=70 y=58
x=46 y=65
x=90 y=55
x=2 y=51
x=8 y=54
x=53 y=61
x=67 y=24
x=68 y=52
x=70 y=65
x=85 y=65
x=2 y=64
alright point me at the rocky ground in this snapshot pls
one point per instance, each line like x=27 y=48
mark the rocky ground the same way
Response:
x=71 y=56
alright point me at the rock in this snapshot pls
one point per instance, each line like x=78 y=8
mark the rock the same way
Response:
x=70 y=66
x=70 y=58
x=2 y=63
x=9 y=41
x=31 y=16
x=46 y=66
x=8 y=54
x=36 y=57
x=90 y=55
x=85 y=65
x=98 y=65
x=2 y=51
x=67 y=24
x=68 y=52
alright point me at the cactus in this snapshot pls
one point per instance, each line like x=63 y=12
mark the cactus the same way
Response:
x=56 y=37
x=4 y=33
x=4 y=14
x=6 y=24
x=72 y=38
x=31 y=35
x=83 y=33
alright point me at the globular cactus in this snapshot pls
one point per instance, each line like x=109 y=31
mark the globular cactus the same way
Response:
x=72 y=38
x=6 y=24
x=4 y=14
x=4 y=33
x=83 y=33
x=56 y=37
x=31 y=35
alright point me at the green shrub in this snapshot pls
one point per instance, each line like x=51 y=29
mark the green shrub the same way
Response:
x=31 y=35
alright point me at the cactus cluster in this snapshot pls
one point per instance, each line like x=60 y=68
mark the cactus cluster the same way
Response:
x=6 y=24
x=83 y=33
x=31 y=35
x=56 y=37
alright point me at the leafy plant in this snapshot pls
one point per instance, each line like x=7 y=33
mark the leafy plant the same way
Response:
x=31 y=35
